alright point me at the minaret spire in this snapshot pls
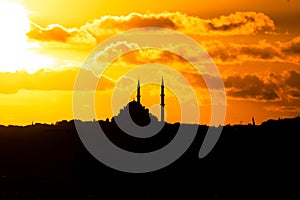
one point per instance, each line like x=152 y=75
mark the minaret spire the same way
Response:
x=138 y=95
x=162 y=101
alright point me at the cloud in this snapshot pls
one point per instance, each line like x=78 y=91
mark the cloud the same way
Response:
x=107 y=25
x=283 y=109
x=148 y=55
x=59 y=33
x=251 y=87
x=60 y=80
x=238 y=23
x=102 y=59
x=54 y=32
x=291 y=47
x=136 y=58
x=272 y=87
x=293 y=79
x=199 y=80
x=241 y=23
x=230 y=53
x=283 y=87
x=114 y=51
x=237 y=53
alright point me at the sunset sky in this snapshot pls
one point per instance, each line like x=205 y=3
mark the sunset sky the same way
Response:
x=254 y=43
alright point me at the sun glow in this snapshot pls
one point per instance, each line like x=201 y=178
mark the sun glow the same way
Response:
x=15 y=51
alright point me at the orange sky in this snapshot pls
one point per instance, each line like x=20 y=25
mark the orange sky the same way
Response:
x=254 y=43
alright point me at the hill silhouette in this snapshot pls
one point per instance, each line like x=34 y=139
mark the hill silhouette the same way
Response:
x=44 y=161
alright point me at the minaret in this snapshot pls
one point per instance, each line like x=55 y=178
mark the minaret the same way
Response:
x=253 y=121
x=138 y=95
x=162 y=101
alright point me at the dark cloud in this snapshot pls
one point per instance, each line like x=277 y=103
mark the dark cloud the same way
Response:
x=241 y=52
x=251 y=87
x=294 y=94
x=268 y=88
x=265 y=53
x=225 y=27
x=234 y=24
x=223 y=53
x=292 y=82
x=242 y=23
x=293 y=79
x=292 y=47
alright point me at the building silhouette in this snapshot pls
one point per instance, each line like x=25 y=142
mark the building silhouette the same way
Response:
x=137 y=112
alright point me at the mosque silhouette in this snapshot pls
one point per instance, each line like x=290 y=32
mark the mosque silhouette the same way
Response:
x=139 y=114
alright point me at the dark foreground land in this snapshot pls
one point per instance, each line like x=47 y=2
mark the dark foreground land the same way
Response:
x=248 y=162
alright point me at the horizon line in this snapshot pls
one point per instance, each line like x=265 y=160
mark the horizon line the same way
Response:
x=110 y=120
